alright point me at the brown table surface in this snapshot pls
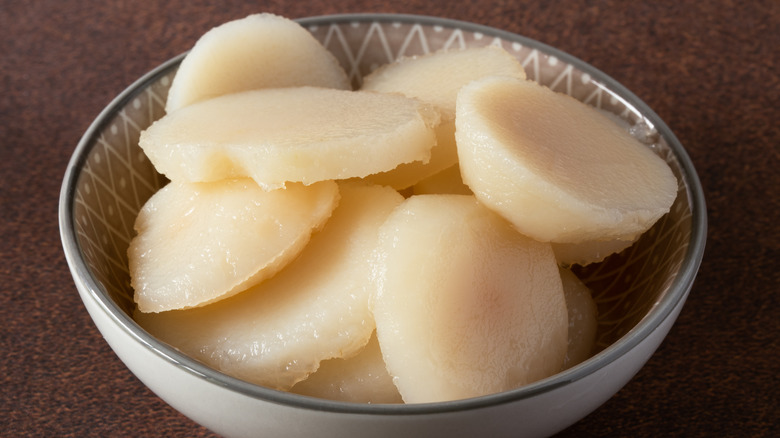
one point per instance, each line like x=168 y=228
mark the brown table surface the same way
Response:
x=708 y=68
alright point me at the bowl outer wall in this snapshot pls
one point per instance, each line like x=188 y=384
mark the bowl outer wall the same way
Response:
x=185 y=383
x=234 y=414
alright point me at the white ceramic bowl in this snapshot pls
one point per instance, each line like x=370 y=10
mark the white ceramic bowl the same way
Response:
x=639 y=292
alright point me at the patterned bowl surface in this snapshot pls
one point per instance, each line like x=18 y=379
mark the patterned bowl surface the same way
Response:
x=109 y=178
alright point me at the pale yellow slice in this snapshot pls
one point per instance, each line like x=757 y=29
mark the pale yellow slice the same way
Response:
x=277 y=332
x=197 y=243
x=362 y=378
x=465 y=305
x=583 y=322
x=259 y=51
x=444 y=154
x=301 y=134
x=556 y=168
x=436 y=78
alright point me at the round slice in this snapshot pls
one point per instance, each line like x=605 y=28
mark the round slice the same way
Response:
x=444 y=154
x=583 y=323
x=436 y=78
x=277 y=332
x=362 y=378
x=259 y=51
x=556 y=168
x=465 y=305
x=302 y=134
x=203 y=242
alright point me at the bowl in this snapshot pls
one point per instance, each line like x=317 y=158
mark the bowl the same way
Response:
x=639 y=292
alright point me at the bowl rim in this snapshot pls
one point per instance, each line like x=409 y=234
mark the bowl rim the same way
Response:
x=678 y=290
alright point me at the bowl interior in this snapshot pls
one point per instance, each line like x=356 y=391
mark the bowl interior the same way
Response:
x=113 y=178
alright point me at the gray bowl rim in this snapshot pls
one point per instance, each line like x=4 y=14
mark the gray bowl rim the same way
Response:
x=677 y=294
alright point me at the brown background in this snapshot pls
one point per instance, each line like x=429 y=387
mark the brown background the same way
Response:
x=708 y=68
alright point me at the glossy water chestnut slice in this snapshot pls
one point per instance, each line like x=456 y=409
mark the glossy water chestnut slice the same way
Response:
x=465 y=306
